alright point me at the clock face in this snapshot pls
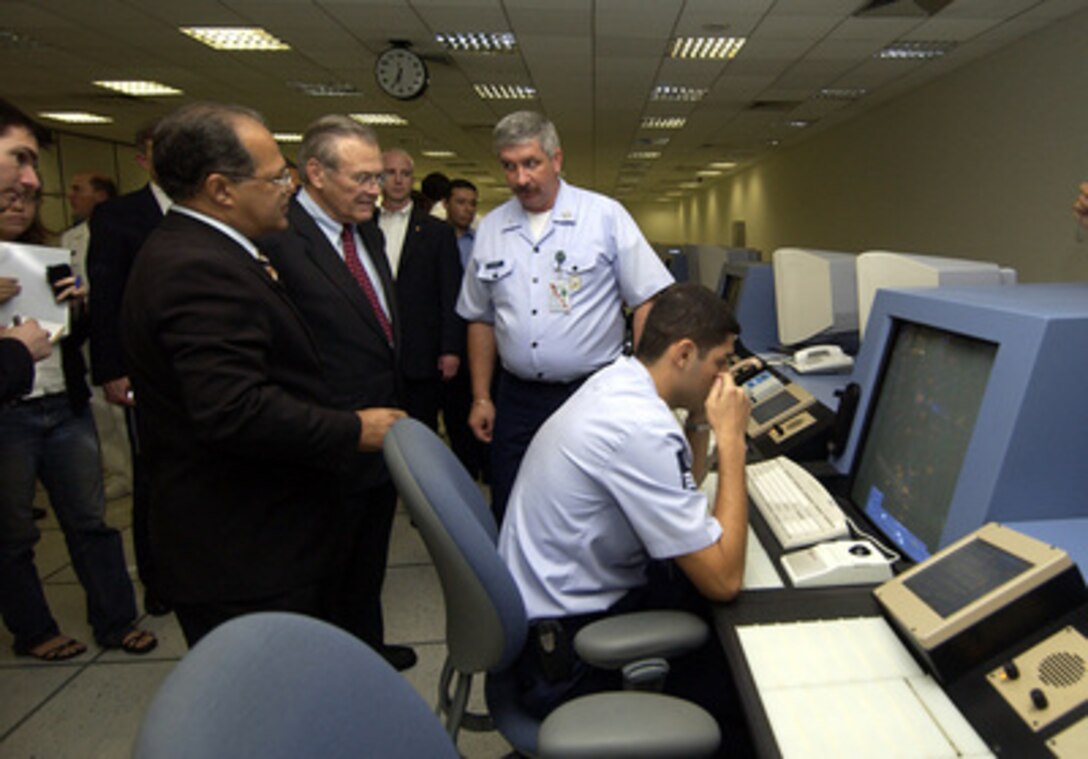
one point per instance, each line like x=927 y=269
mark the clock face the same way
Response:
x=401 y=73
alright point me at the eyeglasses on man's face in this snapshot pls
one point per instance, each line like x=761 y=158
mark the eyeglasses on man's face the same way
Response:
x=362 y=178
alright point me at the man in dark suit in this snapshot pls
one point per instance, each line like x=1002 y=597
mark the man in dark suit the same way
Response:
x=242 y=455
x=118 y=228
x=427 y=268
x=333 y=264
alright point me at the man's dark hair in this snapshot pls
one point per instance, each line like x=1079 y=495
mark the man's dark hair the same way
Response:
x=197 y=140
x=436 y=186
x=686 y=310
x=103 y=184
x=463 y=184
x=10 y=116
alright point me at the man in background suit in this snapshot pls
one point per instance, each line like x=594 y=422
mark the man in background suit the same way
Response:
x=118 y=229
x=427 y=267
x=242 y=455
x=333 y=264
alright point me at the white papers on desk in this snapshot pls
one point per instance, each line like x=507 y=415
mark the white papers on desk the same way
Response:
x=27 y=264
x=849 y=688
x=759 y=571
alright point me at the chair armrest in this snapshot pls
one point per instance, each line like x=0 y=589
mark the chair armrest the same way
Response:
x=628 y=724
x=615 y=641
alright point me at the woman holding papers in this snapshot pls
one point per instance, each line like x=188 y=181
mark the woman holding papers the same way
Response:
x=48 y=434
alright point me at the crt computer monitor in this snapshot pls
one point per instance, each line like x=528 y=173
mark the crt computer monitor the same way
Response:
x=748 y=288
x=816 y=296
x=881 y=268
x=972 y=410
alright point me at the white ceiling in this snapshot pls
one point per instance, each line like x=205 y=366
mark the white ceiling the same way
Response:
x=594 y=64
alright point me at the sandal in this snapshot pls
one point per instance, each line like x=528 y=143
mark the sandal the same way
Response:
x=59 y=648
x=133 y=641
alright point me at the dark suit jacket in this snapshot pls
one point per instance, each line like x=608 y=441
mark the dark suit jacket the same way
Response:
x=428 y=282
x=360 y=366
x=240 y=449
x=118 y=228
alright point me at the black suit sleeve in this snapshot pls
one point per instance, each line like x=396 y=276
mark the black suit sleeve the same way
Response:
x=16 y=369
x=112 y=249
x=450 y=274
x=216 y=325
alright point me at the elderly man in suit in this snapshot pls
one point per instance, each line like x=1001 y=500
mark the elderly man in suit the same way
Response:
x=427 y=267
x=333 y=264
x=243 y=456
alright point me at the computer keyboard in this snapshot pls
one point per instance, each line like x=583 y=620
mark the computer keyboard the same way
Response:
x=796 y=507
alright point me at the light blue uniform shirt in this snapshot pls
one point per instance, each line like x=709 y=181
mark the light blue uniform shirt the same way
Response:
x=605 y=486
x=590 y=243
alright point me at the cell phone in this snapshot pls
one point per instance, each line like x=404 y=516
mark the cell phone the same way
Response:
x=55 y=273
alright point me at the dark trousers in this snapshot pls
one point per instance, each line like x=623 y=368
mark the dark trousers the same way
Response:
x=702 y=676
x=422 y=398
x=199 y=619
x=141 y=505
x=456 y=405
x=521 y=407
x=356 y=590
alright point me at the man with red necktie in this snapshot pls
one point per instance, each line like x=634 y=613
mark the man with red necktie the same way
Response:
x=332 y=262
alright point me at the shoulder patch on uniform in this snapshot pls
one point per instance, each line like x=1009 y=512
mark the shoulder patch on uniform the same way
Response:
x=687 y=479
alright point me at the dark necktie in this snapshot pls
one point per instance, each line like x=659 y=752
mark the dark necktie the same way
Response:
x=351 y=258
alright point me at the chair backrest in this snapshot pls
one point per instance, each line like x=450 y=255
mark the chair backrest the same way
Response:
x=486 y=625
x=277 y=685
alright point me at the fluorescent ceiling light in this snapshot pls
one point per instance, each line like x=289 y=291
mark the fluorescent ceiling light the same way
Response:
x=800 y=123
x=644 y=155
x=656 y=142
x=723 y=165
x=478 y=42
x=688 y=185
x=663 y=122
x=325 y=89
x=504 y=91
x=137 y=87
x=843 y=93
x=439 y=154
x=677 y=93
x=706 y=47
x=709 y=173
x=915 y=50
x=379 y=119
x=287 y=136
x=250 y=38
x=76 y=117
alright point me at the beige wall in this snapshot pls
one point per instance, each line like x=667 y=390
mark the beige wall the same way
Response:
x=983 y=163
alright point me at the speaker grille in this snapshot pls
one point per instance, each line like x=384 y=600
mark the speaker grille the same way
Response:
x=1061 y=670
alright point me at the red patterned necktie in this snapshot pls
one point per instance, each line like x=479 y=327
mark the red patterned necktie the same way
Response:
x=351 y=258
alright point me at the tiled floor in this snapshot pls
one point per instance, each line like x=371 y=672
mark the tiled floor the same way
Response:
x=91 y=706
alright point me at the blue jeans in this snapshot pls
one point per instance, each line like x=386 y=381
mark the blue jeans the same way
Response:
x=43 y=439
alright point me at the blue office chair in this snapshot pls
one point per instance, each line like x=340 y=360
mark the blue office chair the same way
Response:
x=486 y=628
x=283 y=686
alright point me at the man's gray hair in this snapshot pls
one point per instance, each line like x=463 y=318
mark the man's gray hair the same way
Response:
x=524 y=126
x=319 y=141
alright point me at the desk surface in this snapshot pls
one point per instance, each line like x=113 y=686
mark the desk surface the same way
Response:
x=982 y=707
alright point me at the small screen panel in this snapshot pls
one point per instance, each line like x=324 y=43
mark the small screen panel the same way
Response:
x=965 y=575
x=922 y=422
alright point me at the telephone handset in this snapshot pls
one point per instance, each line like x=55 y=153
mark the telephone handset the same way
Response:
x=827 y=359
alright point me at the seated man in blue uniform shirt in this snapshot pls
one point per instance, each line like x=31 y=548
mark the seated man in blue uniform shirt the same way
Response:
x=605 y=507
